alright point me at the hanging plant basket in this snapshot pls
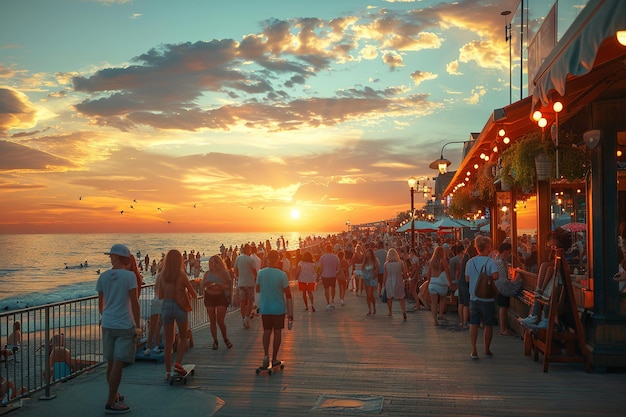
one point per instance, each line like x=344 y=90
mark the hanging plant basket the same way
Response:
x=543 y=165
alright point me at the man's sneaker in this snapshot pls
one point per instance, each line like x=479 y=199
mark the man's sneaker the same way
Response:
x=342 y=303
x=266 y=362
x=156 y=350
x=327 y=306
x=332 y=305
x=146 y=352
x=530 y=320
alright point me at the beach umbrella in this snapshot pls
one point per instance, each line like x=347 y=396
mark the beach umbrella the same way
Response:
x=575 y=227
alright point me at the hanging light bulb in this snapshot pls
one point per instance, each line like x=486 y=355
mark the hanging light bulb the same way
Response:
x=506 y=140
x=501 y=132
x=542 y=122
x=537 y=115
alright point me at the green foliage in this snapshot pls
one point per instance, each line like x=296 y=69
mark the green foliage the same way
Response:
x=466 y=201
x=518 y=161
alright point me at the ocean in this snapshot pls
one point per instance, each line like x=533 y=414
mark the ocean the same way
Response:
x=33 y=266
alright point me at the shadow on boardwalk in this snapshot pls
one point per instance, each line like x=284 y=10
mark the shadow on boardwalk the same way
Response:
x=341 y=360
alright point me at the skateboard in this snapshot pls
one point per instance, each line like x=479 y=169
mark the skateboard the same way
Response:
x=190 y=369
x=269 y=369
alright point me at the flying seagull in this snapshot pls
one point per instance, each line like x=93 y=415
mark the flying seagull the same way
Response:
x=194 y=205
x=131 y=206
x=80 y=198
x=159 y=208
x=121 y=211
x=135 y=200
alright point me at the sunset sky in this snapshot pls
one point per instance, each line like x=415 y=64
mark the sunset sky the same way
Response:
x=207 y=116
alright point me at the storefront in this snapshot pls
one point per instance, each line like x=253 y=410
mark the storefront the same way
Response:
x=584 y=190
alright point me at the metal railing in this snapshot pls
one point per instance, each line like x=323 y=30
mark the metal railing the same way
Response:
x=78 y=322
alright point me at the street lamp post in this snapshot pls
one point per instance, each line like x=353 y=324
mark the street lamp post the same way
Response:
x=412 y=183
x=507 y=38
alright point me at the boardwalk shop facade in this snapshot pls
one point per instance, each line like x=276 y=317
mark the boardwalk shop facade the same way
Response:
x=575 y=75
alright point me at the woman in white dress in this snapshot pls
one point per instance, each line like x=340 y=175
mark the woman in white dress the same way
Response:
x=393 y=280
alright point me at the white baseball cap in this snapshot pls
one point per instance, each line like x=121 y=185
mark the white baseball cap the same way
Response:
x=120 y=250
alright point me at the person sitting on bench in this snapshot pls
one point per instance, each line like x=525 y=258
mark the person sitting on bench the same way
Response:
x=557 y=239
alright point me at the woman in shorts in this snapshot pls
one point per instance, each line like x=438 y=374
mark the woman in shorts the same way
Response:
x=217 y=285
x=306 y=276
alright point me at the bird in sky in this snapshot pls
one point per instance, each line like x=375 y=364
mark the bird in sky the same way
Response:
x=263 y=208
x=131 y=206
x=194 y=205
x=121 y=211
x=251 y=208
x=135 y=200
x=169 y=222
x=159 y=208
x=80 y=198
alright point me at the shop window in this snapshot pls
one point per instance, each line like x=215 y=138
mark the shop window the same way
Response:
x=525 y=209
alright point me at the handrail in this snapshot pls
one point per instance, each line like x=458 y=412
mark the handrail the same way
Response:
x=78 y=321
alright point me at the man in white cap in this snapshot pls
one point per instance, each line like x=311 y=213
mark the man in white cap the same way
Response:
x=119 y=308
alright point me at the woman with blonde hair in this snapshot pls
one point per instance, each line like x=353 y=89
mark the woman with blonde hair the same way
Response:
x=217 y=285
x=393 y=280
x=175 y=290
x=438 y=283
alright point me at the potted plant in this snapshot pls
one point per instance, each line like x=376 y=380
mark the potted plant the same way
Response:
x=466 y=201
x=519 y=160
x=573 y=161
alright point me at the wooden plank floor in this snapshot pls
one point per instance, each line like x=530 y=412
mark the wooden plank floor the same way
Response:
x=418 y=369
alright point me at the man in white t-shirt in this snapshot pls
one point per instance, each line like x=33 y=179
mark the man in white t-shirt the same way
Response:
x=245 y=269
x=119 y=308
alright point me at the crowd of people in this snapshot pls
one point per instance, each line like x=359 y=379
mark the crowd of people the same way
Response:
x=377 y=267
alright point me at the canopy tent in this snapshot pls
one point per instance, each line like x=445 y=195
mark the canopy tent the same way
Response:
x=418 y=226
x=448 y=223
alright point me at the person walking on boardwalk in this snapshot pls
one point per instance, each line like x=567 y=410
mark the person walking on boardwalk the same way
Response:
x=119 y=308
x=330 y=268
x=276 y=301
x=305 y=274
x=370 y=279
x=246 y=272
x=217 y=286
x=381 y=255
x=175 y=290
x=481 y=309
x=395 y=271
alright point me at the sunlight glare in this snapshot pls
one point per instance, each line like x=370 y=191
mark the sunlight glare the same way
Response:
x=295 y=213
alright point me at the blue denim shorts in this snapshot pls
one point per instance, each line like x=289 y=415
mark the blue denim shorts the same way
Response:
x=171 y=312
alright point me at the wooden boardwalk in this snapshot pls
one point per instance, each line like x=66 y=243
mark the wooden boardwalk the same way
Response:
x=341 y=361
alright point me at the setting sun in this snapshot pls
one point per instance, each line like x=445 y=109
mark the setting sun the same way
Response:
x=295 y=214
